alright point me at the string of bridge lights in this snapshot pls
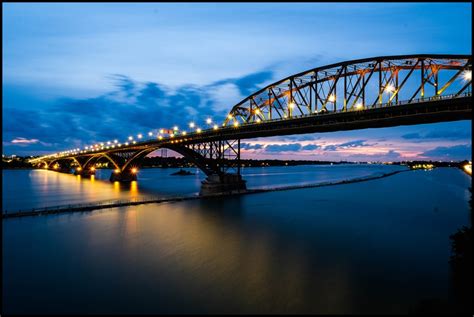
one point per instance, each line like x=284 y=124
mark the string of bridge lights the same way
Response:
x=389 y=88
x=160 y=135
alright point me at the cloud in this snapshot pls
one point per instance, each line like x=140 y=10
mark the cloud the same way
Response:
x=310 y=147
x=248 y=146
x=24 y=141
x=346 y=145
x=451 y=134
x=291 y=147
x=130 y=107
x=456 y=152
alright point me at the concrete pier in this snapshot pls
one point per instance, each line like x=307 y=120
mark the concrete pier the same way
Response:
x=123 y=176
x=215 y=184
x=84 y=173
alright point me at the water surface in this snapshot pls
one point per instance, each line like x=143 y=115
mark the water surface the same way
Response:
x=380 y=246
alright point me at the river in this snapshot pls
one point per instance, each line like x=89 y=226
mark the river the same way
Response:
x=380 y=246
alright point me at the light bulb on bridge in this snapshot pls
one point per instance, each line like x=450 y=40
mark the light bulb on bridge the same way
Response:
x=139 y=135
x=332 y=98
x=198 y=130
x=134 y=170
x=236 y=123
x=258 y=120
x=467 y=75
x=162 y=131
x=150 y=133
x=192 y=125
x=175 y=128
x=108 y=142
x=229 y=116
x=208 y=120
x=215 y=127
x=389 y=88
x=291 y=105
x=359 y=106
x=183 y=133
x=130 y=138
x=115 y=141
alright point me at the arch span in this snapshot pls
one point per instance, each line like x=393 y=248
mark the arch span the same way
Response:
x=356 y=85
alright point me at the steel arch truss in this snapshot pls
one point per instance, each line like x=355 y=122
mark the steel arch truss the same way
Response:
x=357 y=85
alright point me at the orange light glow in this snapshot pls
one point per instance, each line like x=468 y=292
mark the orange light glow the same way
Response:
x=134 y=170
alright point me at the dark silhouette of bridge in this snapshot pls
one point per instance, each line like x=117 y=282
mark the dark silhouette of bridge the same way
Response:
x=367 y=93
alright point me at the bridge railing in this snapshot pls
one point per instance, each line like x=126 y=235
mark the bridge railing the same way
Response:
x=328 y=112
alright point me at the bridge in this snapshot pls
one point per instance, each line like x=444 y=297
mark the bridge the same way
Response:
x=367 y=93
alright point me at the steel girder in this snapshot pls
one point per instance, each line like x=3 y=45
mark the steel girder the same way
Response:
x=356 y=85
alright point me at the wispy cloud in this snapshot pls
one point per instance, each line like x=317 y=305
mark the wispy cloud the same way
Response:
x=24 y=141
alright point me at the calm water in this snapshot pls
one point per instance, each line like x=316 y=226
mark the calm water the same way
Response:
x=380 y=246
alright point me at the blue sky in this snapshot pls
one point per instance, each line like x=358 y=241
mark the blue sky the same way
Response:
x=79 y=73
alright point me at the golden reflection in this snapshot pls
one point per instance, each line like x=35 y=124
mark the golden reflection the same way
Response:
x=134 y=189
x=92 y=178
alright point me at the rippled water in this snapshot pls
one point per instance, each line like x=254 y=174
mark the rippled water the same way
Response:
x=380 y=246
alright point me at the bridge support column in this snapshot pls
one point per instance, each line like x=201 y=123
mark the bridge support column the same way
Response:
x=84 y=172
x=65 y=170
x=123 y=176
x=221 y=184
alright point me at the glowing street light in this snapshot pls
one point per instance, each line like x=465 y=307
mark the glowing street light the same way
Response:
x=332 y=98
x=291 y=105
x=467 y=75
x=134 y=170
x=175 y=128
x=229 y=117
x=183 y=133
x=258 y=120
x=150 y=133
x=130 y=138
x=162 y=131
x=359 y=106
x=192 y=125
x=117 y=171
x=389 y=88
x=215 y=127
x=198 y=130
x=236 y=123
x=139 y=136
x=115 y=141
x=208 y=120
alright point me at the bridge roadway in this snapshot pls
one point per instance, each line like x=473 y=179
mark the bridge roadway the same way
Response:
x=429 y=110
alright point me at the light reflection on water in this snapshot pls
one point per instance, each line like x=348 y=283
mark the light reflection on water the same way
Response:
x=375 y=247
x=42 y=188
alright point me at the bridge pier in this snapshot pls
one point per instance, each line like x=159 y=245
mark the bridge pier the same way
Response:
x=84 y=172
x=216 y=184
x=61 y=170
x=123 y=176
